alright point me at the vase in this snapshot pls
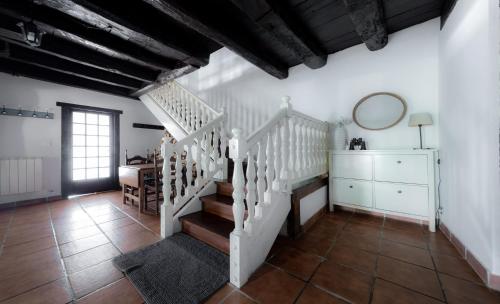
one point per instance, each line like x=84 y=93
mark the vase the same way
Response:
x=340 y=137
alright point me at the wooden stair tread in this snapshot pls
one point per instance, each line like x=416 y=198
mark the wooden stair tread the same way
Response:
x=220 y=198
x=208 y=228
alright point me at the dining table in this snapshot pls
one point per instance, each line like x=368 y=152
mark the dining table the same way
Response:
x=134 y=176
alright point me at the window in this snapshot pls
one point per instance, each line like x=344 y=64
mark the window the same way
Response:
x=91 y=158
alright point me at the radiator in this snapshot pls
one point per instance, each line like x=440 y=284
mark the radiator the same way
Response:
x=20 y=175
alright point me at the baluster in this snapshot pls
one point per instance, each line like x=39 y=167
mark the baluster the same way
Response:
x=285 y=151
x=198 y=180
x=207 y=155
x=223 y=147
x=277 y=158
x=293 y=147
x=299 y=148
x=203 y=120
x=261 y=171
x=215 y=145
x=315 y=148
x=193 y=115
x=189 y=170
x=178 y=176
x=237 y=148
x=251 y=199
x=166 y=209
x=270 y=162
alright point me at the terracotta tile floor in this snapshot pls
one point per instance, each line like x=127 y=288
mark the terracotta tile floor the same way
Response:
x=61 y=252
x=357 y=258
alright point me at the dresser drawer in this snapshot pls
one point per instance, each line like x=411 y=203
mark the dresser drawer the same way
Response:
x=351 y=191
x=410 y=169
x=352 y=166
x=409 y=199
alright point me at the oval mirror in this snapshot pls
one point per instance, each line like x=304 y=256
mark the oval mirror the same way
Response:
x=379 y=111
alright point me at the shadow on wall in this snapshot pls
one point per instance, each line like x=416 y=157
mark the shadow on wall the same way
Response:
x=221 y=86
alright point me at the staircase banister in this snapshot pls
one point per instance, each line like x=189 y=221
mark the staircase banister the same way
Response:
x=211 y=125
x=257 y=135
x=198 y=99
x=321 y=124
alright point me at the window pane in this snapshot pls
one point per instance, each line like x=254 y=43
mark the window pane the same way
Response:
x=103 y=172
x=78 y=163
x=91 y=140
x=103 y=151
x=78 y=117
x=104 y=130
x=78 y=129
x=78 y=151
x=78 y=140
x=92 y=173
x=91 y=119
x=92 y=152
x=79 y=174
x=104 y=120
x=103 y=161
x=92 y=162
x=91 y=130
x=103 y=141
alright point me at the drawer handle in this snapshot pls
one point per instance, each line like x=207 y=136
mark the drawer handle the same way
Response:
x=399 y=161
x=399 y=191
x=351 y=186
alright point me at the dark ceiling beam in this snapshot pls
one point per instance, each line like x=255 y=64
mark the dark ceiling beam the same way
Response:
x=369 y=22
x=22 y=69
x=66 y=50
x=446 y=9
x=117 y=24
x=221 y=27
x=28 y=56
x=61 y=25
x=278 y=19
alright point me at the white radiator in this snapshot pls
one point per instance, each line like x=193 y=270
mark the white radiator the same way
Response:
x=20 y=175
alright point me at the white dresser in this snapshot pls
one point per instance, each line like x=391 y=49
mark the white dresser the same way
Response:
x=396 y=182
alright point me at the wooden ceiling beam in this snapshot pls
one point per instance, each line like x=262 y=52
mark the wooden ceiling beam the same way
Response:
x=278 y=19
x=74 y=52
x=132 y=29
x=61 y=25
x=54 y=63
x=369 y=22
x=221 y=27
x=22 y=69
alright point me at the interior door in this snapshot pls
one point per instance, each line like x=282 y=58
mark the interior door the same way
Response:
x=90 y=150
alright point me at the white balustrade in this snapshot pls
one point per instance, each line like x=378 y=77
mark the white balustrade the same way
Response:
x=189 y=111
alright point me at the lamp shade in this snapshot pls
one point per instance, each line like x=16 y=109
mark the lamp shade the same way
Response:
x=420 y=119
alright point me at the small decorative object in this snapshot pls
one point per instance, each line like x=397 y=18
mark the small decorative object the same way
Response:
x=4 y=111
x=20 y=112
x=419 y=120
x=340 y=137
x=357 y=144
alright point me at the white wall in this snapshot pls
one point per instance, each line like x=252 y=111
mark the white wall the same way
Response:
x=29 y=137
x=469 y=122
x=407 y=66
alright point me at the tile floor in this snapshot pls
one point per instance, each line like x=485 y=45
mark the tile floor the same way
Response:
x=61 y=252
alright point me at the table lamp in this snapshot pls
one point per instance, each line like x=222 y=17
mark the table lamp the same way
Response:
x=419 y=120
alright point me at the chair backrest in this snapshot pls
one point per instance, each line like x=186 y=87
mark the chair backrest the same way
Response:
x=135 y=160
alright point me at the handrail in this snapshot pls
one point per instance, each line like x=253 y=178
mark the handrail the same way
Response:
x=212 y=124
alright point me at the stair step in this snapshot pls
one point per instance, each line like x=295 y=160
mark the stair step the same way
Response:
x=208 y=228
x=220 y=205
x=225 y=188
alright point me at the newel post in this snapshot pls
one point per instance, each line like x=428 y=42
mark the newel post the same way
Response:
x=285 y=147
x=238 y=240
x=166 y=209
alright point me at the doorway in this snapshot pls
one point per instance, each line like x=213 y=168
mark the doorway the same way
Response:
x=90 y=149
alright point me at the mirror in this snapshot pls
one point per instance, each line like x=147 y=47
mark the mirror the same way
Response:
x=379 y=111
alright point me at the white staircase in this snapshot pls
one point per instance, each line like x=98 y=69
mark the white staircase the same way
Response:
x=289 y=148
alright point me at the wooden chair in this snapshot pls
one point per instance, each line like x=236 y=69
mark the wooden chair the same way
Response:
x=154 y=187
x=129 y=191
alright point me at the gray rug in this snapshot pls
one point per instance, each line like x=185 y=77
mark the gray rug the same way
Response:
x=178 y=269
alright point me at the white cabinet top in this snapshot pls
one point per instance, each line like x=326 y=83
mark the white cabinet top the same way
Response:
x=379 y=152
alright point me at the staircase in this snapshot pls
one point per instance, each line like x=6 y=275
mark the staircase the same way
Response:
x=214 y=223
x=238 y=205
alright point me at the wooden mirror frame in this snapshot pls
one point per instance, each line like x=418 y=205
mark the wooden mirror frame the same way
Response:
x=405 y=107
